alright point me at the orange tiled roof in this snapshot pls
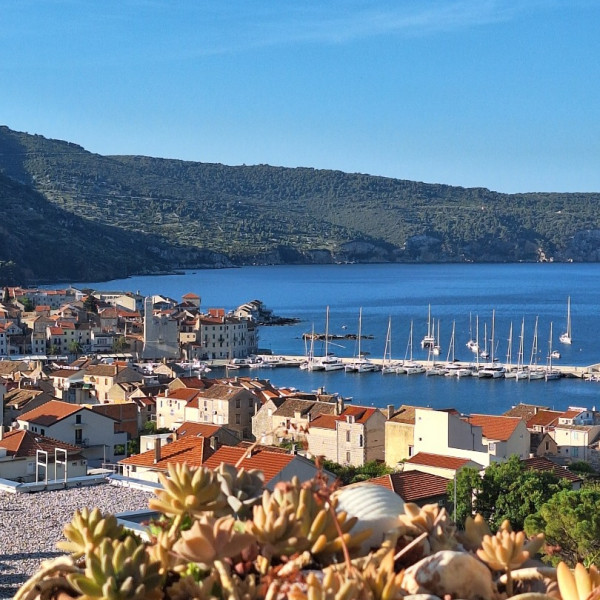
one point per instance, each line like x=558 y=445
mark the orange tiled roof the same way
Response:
x=413 y=486
x=436 y=460
x=185 y=394
x=190 y=449
x=193 y=382
x=198 y=429
x=190 y=295
x=571 y=413
x=541 y=463
x=270 y=463
x=495 y=427
x=361 y=415
x=21 y=442
x=324 y=421
x=544 y=418
x=51 y=412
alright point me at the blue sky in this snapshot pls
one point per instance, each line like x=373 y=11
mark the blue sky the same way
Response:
x=503 y=95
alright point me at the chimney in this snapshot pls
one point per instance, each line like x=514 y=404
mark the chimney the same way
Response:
x=157 y=445
x=390 y=411
x=214 y=442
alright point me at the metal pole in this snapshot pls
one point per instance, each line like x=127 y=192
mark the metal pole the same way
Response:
x=455 y=496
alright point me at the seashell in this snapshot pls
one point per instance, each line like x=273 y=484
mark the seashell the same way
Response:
x=458 y=574
x=376 y=508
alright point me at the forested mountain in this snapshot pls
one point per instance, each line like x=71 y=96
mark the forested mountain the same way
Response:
x=177 y=214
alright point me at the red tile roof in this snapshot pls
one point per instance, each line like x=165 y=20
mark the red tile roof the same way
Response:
x=541 y=463
x=361 y=415
x=571 y=413
x=193 y=382
x=544 y=418
x=21 y=442
x=495 y=427
x=190 y=449
x=185 y=394
x=51 y=412
x=270 y=463
x=324 y=421
x=414 y=486
x=198 y=429
x=436 y=460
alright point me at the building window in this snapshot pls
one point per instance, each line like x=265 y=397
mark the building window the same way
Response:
x=238 y=403
x=348 y=457
x=238 y=419
x=360 y=441
x=347 y=437
x=78 y=419
x=43 y=431
x=411 y=449
x=78 y=436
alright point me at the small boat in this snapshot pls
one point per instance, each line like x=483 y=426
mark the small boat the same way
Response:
x=565 y=337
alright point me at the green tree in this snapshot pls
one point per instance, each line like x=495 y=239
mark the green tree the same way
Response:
x=468 y=482
x=349 y=474
x=27 y=304
x=570 y=521
x=53 y=350
x=507 y=490
x=75 y=348
x=90 y=304
x=120 y=344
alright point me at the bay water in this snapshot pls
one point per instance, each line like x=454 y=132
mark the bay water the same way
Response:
x=463 y=294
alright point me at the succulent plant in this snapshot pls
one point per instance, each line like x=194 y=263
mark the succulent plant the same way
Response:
x=275 y=527
x=577 y=584
x=211 y=539
x=242 y=489
x=189 y=492
x=118 y=570
x=87 y=530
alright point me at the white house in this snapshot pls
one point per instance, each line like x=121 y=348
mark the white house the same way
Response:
x=78 y=425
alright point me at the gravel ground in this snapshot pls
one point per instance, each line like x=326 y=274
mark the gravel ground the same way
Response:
x=31 y=524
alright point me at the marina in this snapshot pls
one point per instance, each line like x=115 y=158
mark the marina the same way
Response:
x=394 y=295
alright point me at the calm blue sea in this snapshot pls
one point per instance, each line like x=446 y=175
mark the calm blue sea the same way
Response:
x=458 y=293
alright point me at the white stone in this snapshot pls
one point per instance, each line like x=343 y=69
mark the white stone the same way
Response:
x=377 y=508
x=458 y=574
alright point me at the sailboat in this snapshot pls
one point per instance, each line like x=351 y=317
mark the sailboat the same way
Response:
x=535 y=372
x=386 y=364
x=521 y=372
x=492 y=369
x=551 y=374
x=472 y=344
x=433 y=368
x=565 y=337
x=360 y=364
x=409 y=366
x=509 y=373
x=436 y=345
x=311 y=363
x=429 y=340
x=329 y=362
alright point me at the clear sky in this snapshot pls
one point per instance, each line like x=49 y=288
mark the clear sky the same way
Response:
x=498 y=94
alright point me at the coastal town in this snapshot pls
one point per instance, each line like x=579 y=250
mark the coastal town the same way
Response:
x=84 y=375
x=115 y=388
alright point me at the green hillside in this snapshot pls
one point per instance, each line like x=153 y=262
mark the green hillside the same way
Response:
x=213 y=213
